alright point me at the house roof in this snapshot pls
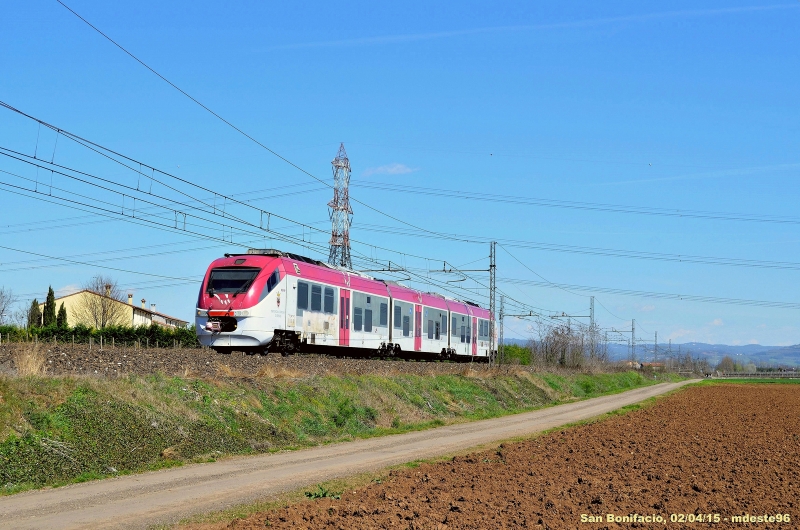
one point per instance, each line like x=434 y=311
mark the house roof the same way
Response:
x=135 y=308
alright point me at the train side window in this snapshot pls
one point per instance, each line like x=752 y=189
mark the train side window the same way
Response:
x=368 y=320
x=406 y=326
x=384 y=321
x=430 y=329
x=437 y=332
x=356 y=319
x=398 y=312
x=454 y=327
x=302 y=295
x=329 y=297
x=444 y=323
x=463 y=335
x=316 y=297
x=469 y=338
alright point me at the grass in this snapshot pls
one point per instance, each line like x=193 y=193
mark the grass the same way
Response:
x=30 y=360
x=58 y=430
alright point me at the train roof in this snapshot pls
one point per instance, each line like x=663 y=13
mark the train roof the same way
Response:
x=363 y=282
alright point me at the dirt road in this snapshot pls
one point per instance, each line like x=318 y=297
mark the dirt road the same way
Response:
x=167 y=496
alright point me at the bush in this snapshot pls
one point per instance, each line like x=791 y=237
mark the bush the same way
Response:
x=152 y=335
x=515 y=354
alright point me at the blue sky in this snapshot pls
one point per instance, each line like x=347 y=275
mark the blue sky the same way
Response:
x=678 y=107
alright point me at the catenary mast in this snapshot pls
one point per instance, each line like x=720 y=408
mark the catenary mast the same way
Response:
x=340 y=212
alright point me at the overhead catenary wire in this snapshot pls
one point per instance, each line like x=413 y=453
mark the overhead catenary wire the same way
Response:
x=78 y=262
x=576 y=205
x=652 y=294
x=49 y=198
x=16 y=155
x=225 y=214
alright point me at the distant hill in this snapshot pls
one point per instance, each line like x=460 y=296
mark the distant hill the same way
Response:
x=713 y=353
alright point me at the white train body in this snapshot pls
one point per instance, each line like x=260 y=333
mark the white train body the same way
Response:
x=270 y=300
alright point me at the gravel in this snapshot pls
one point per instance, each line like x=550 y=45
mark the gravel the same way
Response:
x=67 y=359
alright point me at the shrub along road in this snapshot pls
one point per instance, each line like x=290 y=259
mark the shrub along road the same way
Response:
x=166 y=496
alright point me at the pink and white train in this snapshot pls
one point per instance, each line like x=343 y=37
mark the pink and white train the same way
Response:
x=268 y=300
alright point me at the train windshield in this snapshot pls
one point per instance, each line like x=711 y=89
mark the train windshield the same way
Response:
x=234 y=280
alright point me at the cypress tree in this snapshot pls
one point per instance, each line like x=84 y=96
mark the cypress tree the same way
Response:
x=49 y=316
x=61 y=318
x=34 y=315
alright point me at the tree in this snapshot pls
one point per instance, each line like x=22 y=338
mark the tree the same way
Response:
x=34 y=314
x=726 y=365
x=49 y=315
x=105 y=309
x=7 y=299
x=61 y=317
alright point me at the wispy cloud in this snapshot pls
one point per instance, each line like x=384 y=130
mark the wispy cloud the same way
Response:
x=680 y=334
x=647 y=308
x=410 y=37
x=67 y=289
x=717 y=322
x=389 y=169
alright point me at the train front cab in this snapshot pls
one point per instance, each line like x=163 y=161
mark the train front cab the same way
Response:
x=239 y=304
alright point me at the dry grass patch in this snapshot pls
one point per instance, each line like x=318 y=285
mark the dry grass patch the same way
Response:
x=30 y=360
x=468 y=371
x=279 y=372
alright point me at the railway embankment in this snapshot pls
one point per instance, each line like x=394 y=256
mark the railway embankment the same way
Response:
x=82 y=422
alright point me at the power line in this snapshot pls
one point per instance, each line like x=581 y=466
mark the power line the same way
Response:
x=76 y=262
x=234 y=127
x=651 y=294
x=49 y=198
x=150 y=194
x=617 y=253
x=574 y=205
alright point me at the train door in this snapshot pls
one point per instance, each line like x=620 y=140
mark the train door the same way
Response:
x=474 y=336
x=417 y=327
x=344 y=317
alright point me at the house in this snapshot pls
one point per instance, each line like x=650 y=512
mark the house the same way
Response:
x=98 y=311
x=654 y=366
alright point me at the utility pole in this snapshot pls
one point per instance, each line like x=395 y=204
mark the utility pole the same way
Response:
x=500 y=346
x=655 y=349
x=592 y=330
x=340 y=213
x=670 y=351
x=492 y=294
x=633 y=339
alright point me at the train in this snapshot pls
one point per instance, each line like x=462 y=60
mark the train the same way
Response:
x=267 y=300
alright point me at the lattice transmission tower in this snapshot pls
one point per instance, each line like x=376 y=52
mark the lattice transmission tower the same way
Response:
x=340 y=212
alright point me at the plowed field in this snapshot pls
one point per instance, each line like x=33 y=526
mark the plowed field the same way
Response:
x=727 y=449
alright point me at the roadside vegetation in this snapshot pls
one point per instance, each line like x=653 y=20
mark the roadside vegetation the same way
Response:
x=152 y=336
x=61 y=429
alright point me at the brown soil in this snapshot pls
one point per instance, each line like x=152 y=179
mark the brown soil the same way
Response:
x=727 y=449
x=111 y=362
